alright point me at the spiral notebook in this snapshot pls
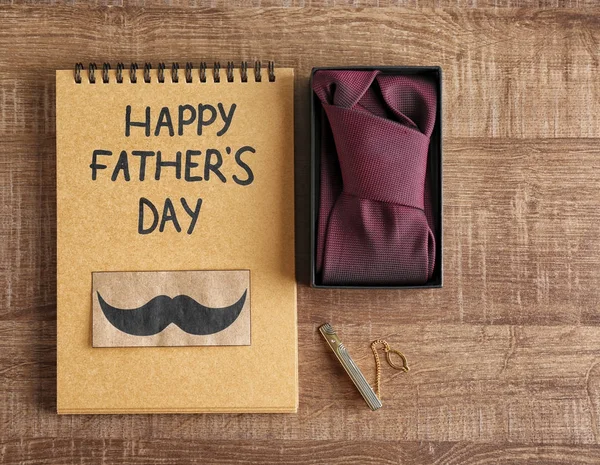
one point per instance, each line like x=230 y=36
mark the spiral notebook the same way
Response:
x=175 y=239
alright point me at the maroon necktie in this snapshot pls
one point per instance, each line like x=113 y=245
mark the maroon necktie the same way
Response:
x=375 y=223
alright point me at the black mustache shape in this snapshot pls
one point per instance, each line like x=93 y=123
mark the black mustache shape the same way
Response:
x=154 y=316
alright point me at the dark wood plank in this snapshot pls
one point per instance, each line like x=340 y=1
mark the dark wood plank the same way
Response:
x=354 y=4
x=520 y=247
x=527 y=384
x=121 y=452
x=508 y=72
x=520 y=241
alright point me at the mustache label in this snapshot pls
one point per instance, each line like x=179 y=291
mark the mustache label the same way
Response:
x=171 y=308
x=183 y=311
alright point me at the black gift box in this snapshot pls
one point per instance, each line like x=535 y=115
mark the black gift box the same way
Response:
x=435 y=170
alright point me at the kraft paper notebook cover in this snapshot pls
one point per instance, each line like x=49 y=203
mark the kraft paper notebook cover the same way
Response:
x=175 y=238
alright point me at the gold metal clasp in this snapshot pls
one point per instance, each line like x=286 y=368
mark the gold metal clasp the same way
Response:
x=404 y=367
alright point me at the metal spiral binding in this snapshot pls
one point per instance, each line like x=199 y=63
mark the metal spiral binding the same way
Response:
x=271 y=71
x=78 y=69
x=105 y=69
x=132 y=73
x=257 y=75
x=244 y=71
x=189 y=72
x=175 y=72
x=203 y=71
x=92 y=73
x=216 y=71
x=147 y=68
x=161 y=72
x=230 y=67
x=120 y=67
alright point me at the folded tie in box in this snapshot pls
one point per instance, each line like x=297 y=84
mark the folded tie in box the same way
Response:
x=376 y=190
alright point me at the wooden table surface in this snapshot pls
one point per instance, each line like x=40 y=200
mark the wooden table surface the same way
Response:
x=505 y=358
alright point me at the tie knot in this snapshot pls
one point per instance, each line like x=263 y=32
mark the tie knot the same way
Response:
x=379 y=159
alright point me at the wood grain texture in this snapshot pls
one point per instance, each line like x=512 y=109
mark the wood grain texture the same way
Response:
x=505 y=358
x=355 y=4
x=175 y=452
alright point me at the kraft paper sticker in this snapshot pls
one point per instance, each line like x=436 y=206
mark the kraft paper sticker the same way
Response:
x=171 y=308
